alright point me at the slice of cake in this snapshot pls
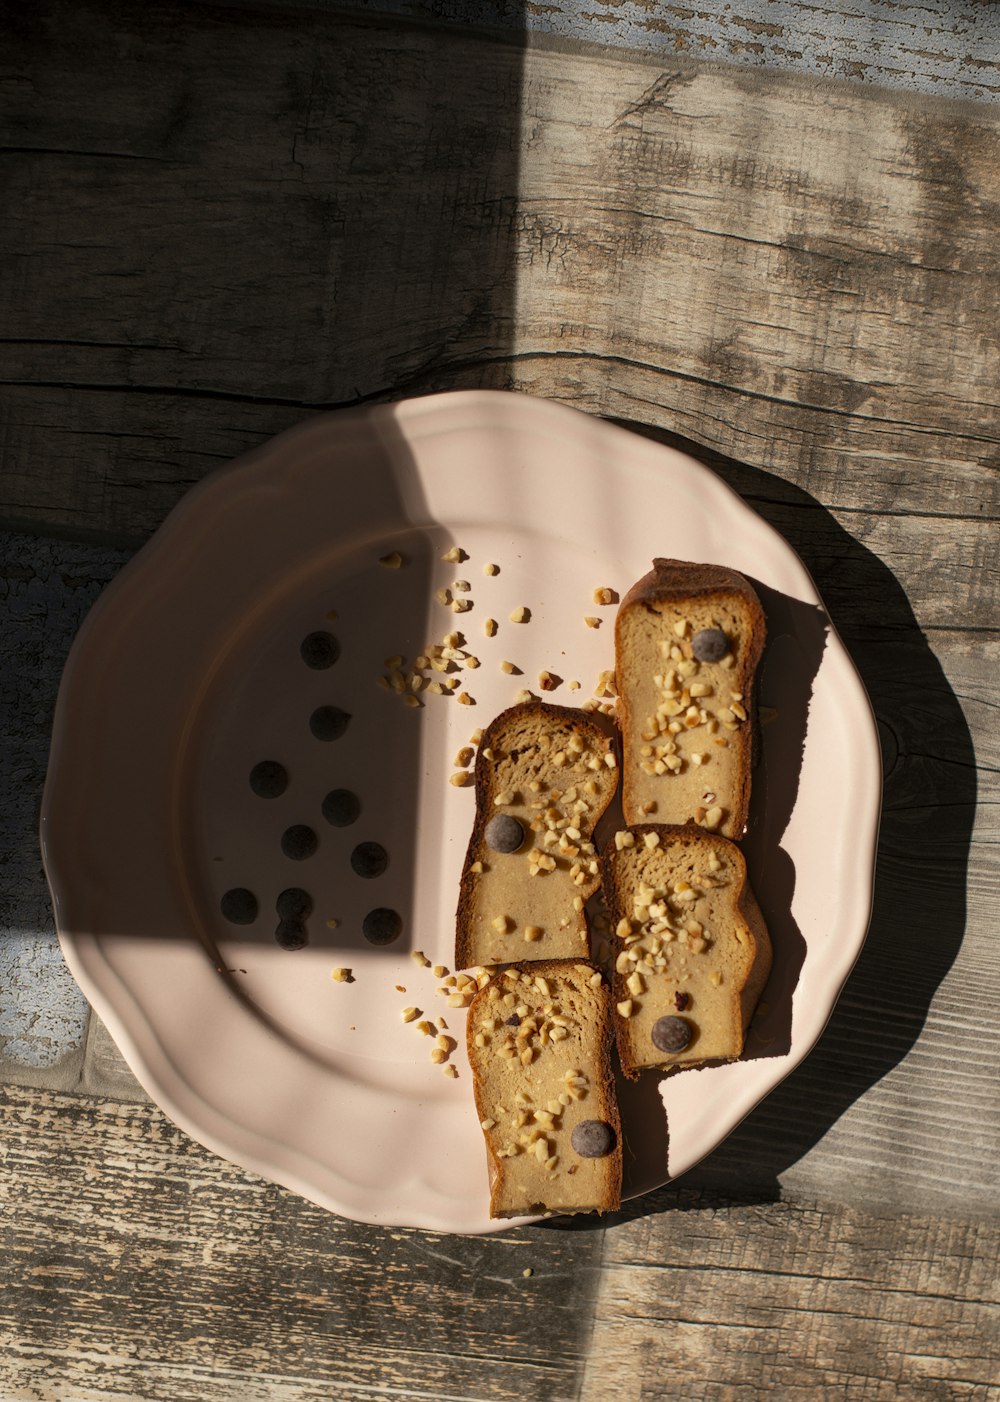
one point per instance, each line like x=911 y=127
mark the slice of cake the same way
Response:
x=693 y=952
x=688 y=639
x=539 y=1038
x=544 y=776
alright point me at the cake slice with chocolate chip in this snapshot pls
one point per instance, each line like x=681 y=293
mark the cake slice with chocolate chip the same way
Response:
x=688 y=639
x=544 y=776
x=539 y=1038
x=692 y=949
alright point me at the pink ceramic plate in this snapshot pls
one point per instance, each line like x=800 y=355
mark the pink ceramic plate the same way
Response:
x=188 y=673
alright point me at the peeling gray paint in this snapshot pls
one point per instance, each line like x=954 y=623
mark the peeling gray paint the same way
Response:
x=950 y=48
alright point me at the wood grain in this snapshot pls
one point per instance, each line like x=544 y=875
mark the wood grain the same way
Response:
x=799 y=1301
x=799 y=277
x=218 y=219
x=136 y=1264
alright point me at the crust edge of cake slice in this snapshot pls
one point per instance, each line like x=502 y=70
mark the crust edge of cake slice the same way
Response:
x=674 y=582
x=683 y=993
x=470 y=948
x=568 y=1082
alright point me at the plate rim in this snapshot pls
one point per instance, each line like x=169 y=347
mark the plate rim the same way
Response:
x=83 y=951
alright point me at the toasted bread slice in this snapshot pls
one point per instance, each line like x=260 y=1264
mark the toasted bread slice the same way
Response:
x=693 y=952
x=688 y=639
x=539 y=1038
x=547 y=773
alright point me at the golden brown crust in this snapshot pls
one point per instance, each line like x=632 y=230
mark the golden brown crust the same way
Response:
x=674 y=582
x=600 y=1072
x=549 y=719
x=745 y=912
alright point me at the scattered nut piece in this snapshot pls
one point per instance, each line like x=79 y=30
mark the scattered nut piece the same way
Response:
x=520 y=614
x=438 y=1056
x=392 y=561
x=451 y=1071
x=455 y=555
x=460 y=779
x=332 y=923
x=547 y=681
x=408 y=1014
x=574 y=685
x=490 y=568
x=462 y=585
x=509 y=668
x=464 y=757
x=419 y=957
x=605 y=596
x=490 y=627
x=464 y=699
x=340 y=975
x=461 y=605
x=590 y=621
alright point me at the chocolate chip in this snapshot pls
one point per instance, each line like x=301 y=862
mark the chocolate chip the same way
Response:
x=239 y=906
x=319 y=650
x=709 y=644
x=341 y=808
x=294 y=904
x=369 y=859
x=671 y=1034
x=299 y=842
x=504 y=833
x=681 y=1001
x=291 y=934
x=381 y=926
x=592 y=1139
x=328 y=722
x=269 y=779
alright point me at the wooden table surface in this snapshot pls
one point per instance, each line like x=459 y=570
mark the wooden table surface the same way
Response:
x=217 y=220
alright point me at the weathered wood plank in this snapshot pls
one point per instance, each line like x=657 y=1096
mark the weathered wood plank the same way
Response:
x=137 y=1264
x=943 y=47
x=224 y=232
x=720 y=1299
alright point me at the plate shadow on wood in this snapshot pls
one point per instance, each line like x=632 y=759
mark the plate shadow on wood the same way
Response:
x=918 y=916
